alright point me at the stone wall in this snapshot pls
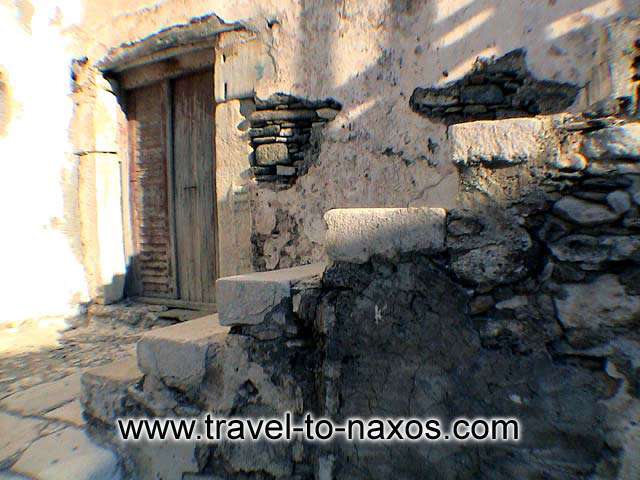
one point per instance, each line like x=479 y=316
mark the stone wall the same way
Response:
x=370 y=57
x=287 y=227
x=519 y=300
x=539 y=269
x=523 y=303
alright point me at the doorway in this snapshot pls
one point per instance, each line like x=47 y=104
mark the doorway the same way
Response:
x=172 y=189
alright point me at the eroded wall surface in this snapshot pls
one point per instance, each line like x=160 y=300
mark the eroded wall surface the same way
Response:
x=539 y=275
x=539 y=269
x=370 y=56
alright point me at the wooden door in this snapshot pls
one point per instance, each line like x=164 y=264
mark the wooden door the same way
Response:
x=194 y=197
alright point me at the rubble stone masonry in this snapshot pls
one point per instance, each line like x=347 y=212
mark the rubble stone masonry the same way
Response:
x=494 y=89
x=281 y=134
x=531 y=309
x=523 y=302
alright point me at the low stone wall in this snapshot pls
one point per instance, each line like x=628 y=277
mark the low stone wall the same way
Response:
x=523 y=302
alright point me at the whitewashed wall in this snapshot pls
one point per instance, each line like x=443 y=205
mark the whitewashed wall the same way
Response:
x=40 y=268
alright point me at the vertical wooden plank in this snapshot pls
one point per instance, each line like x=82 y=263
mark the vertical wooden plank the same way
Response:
x=214 y=193
x=167 y=96
x=196 y=236
x=186 y=224
x=207 y=201
x=209 y=97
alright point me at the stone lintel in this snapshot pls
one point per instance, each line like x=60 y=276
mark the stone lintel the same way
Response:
x=164 y=43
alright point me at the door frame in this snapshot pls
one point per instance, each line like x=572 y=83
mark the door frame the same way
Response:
x=186 y=61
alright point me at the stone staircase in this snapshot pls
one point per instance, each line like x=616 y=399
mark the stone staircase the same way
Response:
x=174 y=370
x=372 y=327
x=211 y=363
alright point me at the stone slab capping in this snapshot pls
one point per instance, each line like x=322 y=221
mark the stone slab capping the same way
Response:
x=501 y=142
x=494 y=89
x=263 y=297
x=281 y=133
x=356 y=234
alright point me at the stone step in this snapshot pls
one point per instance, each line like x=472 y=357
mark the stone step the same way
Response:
x=254 y=298
x=104 y=393
x=177 y=355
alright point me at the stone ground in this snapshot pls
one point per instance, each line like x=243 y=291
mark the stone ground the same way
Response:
x=41 y=422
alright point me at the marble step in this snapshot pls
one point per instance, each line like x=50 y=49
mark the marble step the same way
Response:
x=104 y=390
x=254 y=298
x=177 y=355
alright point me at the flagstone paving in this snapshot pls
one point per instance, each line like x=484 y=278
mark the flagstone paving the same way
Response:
x=42 y=432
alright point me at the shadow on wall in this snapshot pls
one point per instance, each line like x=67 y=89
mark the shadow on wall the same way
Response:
x=460 y=32
x=378 y=152
x=553 y=375
x=541 y=302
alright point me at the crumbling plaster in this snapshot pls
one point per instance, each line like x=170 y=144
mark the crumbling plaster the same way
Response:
x=232 y=167
x=369 y=56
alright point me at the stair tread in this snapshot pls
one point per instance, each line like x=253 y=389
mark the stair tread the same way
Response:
x=104 y=388
x=124 y=370
x=292 y=274
x=192 y=330
x=249 y=299
x=178 y=354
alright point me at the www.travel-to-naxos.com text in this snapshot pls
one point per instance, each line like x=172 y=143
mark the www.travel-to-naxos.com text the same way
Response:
x=210 y=428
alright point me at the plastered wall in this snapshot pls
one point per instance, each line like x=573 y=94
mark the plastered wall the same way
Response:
x=62 y=242
x=369 y=56
x=40 y=250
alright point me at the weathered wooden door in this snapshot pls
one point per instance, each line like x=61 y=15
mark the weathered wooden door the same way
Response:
x=194 y=175
x=172 y=189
